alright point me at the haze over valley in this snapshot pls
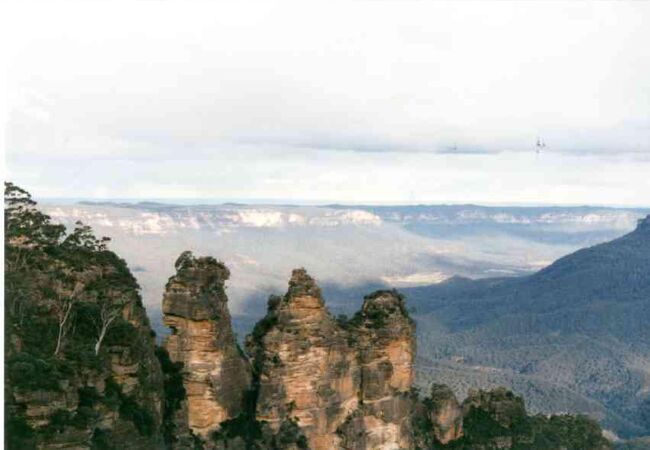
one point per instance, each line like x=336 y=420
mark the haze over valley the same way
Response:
x=346 y=247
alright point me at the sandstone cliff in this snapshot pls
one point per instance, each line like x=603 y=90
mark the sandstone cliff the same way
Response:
x=215 y=372
x=80 y=362
x=306 y=369
x=384 y=337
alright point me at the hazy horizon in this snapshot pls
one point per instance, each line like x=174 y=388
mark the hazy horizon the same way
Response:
x=173 y=201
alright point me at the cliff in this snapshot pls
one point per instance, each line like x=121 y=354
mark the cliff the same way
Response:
x=384 y=338
x=80 y=361
x=215 y=372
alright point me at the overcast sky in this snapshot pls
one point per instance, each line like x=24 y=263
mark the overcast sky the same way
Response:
x=375 y=102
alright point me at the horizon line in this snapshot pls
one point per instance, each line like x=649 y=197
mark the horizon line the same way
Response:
x=216 y=201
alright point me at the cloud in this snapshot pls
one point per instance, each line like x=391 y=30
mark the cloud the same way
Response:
x=292 y=86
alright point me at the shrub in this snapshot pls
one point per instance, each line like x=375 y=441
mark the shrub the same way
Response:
x=141 y=418
x=121 y=333
x=18 y=434
x=101 y=440
x=174 y=392
x=31 y=373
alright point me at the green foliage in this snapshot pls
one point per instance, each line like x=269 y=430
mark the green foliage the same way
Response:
x=86 y=414
x=82 y=237
x=377 y=317
x=263 y=326
x=565 y=431
x=24 y=221
x=48 y=271
x=112 y=394
x=481 y=425
x=128 y=407
x=131 y=410
x=423 y=432
x=174 y=393
x=28 y=372
x=121 y=333
x=184 y=260
x=288 y=434
x=85 y=329
x=491 y=418
x=101 y=440
x=59 y=420
x=18 y=434
x=244 y=426
x=562 y=337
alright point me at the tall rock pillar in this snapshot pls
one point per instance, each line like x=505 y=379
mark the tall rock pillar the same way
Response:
x=216 y=374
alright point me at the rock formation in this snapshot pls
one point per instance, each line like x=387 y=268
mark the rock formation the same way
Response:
x=445 y=414
x=306 y=368
x=82 y=369
x=385 y=342
x=497 y=419
x=216 y=374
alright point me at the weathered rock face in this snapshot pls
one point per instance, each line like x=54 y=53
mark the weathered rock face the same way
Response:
x=80 y=361
x=385 y=337
x=346 y=384
x=306 y=368
x=216 y=374
x=445 y=414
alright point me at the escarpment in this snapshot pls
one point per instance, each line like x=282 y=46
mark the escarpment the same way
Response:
x=215 y=372
x=80 y=360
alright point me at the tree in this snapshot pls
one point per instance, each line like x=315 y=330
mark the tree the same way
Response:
x=26 y=226
x=108 y=312
x=82 y=237
x=64 y=307
x=183 y=260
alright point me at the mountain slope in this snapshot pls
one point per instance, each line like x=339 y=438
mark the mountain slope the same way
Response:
x=580 y=324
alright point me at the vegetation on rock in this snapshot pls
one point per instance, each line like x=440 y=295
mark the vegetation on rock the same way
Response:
x=82 y=369
x=79 y=359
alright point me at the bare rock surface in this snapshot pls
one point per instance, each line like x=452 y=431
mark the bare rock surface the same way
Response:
x=216 y=374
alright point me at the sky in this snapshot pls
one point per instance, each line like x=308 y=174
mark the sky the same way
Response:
x=311 y=102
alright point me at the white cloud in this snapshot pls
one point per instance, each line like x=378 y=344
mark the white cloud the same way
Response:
x=182 y=99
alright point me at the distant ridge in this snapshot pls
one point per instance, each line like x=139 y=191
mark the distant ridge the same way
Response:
x=581 y=323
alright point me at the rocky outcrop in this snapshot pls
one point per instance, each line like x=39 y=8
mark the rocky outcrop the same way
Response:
x=497 y=419
x=345 y=383
x=306 y=369
x=385 y=345
x=216 y=374
x=501 y=405
x=445 y=414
